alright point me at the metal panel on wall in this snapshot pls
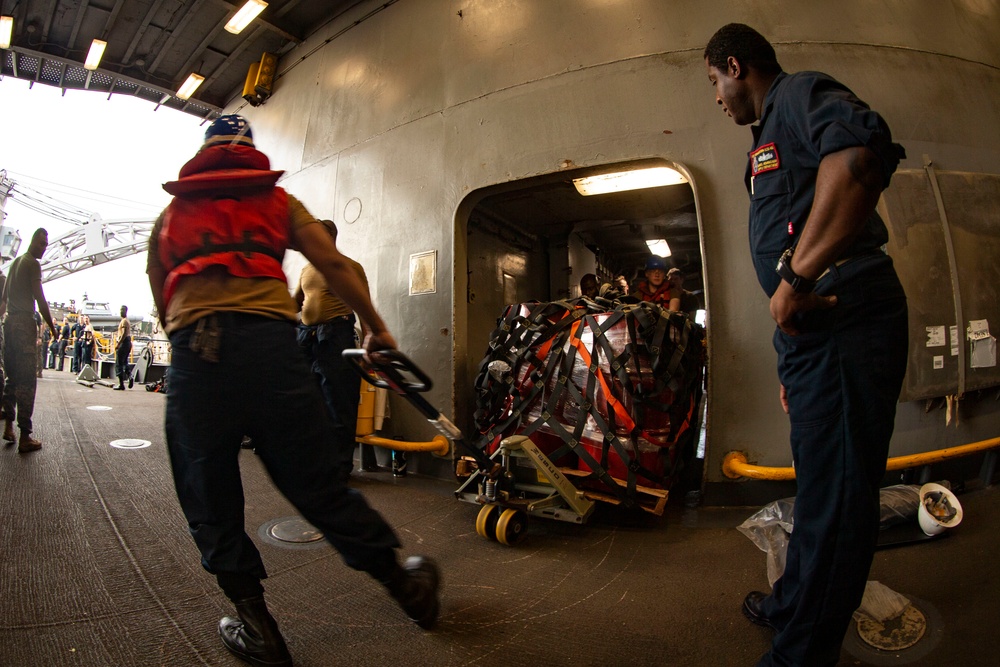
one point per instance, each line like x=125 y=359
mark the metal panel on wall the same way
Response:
x=944 y=236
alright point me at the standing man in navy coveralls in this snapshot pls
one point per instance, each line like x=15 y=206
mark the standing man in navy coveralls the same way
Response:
x=821 y=158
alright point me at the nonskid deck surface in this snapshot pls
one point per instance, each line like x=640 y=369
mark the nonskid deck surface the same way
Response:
x=97 y=569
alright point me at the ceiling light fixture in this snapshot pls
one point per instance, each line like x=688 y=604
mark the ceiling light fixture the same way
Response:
x=245 y=15
x=95 y=54
x=658 y=247
x=189 y=86
x=6 y=31
x=633 y=179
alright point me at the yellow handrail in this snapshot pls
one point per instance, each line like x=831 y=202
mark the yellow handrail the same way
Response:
x=439 y=445
x=734 y=464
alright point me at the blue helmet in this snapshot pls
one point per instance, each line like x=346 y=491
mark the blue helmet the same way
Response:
x=229 y=129
x=656 y=262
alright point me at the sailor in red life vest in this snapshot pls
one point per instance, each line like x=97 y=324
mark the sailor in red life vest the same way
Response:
x=656 y=287
x=214 y=266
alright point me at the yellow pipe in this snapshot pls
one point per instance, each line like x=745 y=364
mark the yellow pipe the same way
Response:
x=734 y=464
x=439 y=445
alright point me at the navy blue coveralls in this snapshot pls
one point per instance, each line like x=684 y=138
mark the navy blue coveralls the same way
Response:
x=842 y=373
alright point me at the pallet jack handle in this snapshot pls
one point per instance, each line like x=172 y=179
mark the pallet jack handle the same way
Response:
x=393 y=370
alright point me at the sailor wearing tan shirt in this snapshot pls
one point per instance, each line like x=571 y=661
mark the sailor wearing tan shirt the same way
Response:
x=327 y=330
x=123 y=347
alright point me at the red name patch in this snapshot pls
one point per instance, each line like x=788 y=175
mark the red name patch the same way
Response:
x=764 y=159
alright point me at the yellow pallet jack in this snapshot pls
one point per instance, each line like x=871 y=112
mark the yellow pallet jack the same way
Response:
x=516 y=481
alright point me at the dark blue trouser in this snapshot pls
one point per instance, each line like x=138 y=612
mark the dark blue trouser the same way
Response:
x=77 y=355
x=261 y=387
x=324 y=345
x=121 y=361
x=842 y=374
x=61 y=353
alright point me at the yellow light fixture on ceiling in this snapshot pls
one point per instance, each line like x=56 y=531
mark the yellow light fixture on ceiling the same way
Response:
x=189 y=86
x=6 y=31
x=658 y=247
x=633 y=179
x=95 y=54
x=245 y=15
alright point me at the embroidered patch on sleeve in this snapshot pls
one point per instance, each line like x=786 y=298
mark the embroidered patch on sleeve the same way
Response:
x=764 y=159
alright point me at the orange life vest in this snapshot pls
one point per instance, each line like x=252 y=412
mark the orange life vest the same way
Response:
x=660 y=296
x=226 y=212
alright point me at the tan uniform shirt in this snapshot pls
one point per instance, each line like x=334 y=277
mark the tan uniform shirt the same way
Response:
x=319 y=304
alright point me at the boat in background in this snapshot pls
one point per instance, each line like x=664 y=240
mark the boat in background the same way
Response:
x=103 y=318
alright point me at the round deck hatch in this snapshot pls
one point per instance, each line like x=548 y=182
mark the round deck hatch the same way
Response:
x=130 y=443
x=293 y=531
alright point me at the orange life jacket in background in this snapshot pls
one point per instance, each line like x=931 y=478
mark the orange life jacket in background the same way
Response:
x=660 y=296
x=226 y=212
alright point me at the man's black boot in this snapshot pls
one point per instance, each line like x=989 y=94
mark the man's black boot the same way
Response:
x=415 y=587
x=254 y=636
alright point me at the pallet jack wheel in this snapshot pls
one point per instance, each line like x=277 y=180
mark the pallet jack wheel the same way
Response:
x=486 y=522
x=512 y=526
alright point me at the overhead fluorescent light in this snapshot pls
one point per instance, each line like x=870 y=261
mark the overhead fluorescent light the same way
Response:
x=6 y=31
x=245 y=15
x=634 y=179
x=95 y=54
x=658 y=247
x=190 y=85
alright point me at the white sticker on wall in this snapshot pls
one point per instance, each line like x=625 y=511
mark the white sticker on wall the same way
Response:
x=935 y=336
x=954 y=340
x=938 y=362
x=979 y=329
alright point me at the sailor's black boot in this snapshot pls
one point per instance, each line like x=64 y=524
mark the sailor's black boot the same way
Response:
x=415 y=587
x=254 y=636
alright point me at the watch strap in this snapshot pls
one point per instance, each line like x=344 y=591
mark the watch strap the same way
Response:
x=784 y=270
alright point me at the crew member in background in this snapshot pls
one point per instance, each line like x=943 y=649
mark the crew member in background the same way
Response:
x=88 y=348
x=77 y=344
x=327 y=330
x=22 y=291
x=123 y=348
x=588 y=285
x=237 y=370
x=65 y=331
x=53 y=349
x=841 y=317
x=687 y=302
x=655 y=287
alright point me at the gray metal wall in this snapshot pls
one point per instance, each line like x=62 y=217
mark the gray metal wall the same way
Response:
x=390 y=126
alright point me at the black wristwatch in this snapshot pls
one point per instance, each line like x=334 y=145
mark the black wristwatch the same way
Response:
x=784 y=269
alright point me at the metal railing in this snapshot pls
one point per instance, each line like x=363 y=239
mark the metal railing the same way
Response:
x=735 y=465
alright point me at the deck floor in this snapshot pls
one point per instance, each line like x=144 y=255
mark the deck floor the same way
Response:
x=97 y=569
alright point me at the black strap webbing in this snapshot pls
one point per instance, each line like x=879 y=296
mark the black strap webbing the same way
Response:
x=545 y=382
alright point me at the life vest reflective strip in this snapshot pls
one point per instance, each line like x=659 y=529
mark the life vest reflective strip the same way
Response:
x=228 y=213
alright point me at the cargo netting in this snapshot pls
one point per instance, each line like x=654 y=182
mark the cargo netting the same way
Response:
x=605 y=387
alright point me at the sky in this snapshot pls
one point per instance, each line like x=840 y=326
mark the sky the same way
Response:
x=98 y=155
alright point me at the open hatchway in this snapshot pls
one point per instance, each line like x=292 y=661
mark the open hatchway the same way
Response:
x=533 y=240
